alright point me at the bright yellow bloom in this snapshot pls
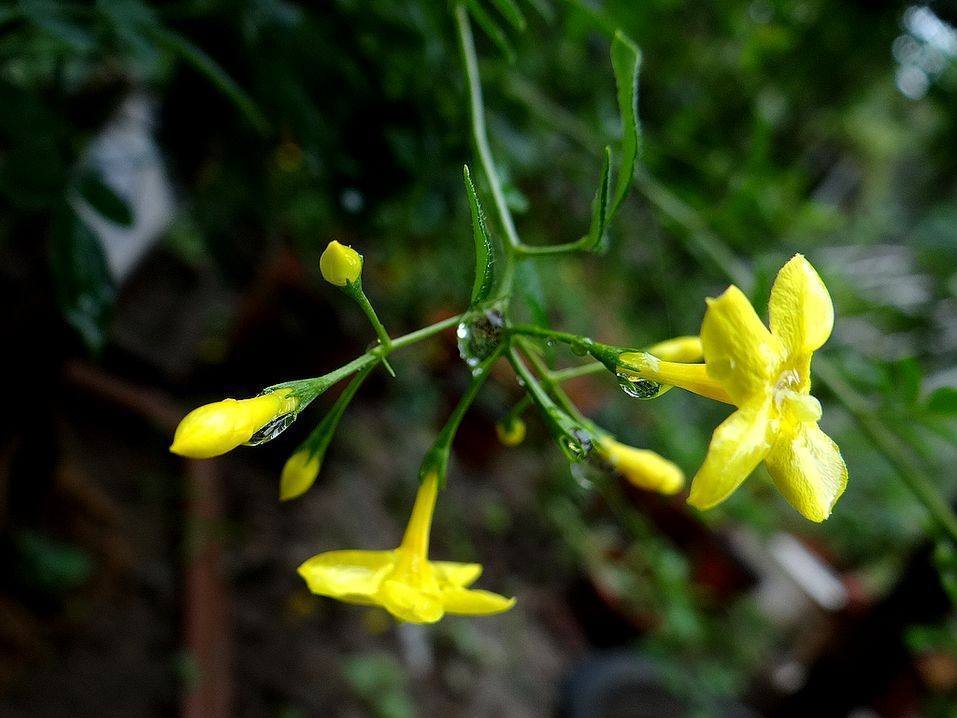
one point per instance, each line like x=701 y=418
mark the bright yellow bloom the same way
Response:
x=404 y=581
x=766 y=374
x=214 y=429
x=644 y=469
x=298 y=474
x=679 y=349
x=340 y=265
x=511 y=434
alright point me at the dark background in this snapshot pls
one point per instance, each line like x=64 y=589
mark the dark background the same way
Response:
x=169 y=174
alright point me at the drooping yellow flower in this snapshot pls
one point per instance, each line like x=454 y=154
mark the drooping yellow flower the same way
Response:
x=511 y=433
x=404 y=581
x=339 y=264
x=214 y=429
x=766 y=374
x=641 y=467
x=298 y=474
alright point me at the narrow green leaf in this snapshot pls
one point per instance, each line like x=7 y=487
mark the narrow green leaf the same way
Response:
x=491 y=28
x=599 y=206
x=943 y=401
x=484 y=253
x=626 y=60
x=83 y=284
x=103 y=199
x=511 y=12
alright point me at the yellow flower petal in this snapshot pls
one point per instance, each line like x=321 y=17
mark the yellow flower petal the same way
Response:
x=352 y=576
x=738 y=349
x=808 y=469
x=457 y=574
x=642 y=468
x=475 y=602
x=690 y=377
x=737 y=446
x=801 y=311
x=298 y=474
x=679 y=349
x=409 y=603
x=216 y=428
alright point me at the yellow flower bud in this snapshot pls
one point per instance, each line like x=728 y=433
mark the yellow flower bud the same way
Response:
x=644 y=469
x=679 y=349
x=216 y=428
x=298 y=474
x=340 y=265
x=511 y=434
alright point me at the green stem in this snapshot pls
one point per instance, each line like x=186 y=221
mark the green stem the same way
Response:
x=563 y=375
x=437 y=458
x=355 y=291
x=604 y=353
x=479 y=130
x=545 y=376
x=889 y=445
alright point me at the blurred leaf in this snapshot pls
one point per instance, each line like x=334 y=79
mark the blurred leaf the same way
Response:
x=511 y=12
x=626 y=61
x=50 y=564
x=943 y=401
x=83 y=283
x=528 y=284
x=484 y=252
x=103 y=199
x=945 y=558
x=491 y=28
x=905 y=380
x=208 y=67
x=52 y=17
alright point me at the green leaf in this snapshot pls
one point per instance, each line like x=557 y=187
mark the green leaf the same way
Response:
x=83 y=284
x=511 y=12
x=103 y=199
x=491 y=28
x=484 y=254
x=945 y=558
x=943 y=401
x=599 y=206
x=626 y=60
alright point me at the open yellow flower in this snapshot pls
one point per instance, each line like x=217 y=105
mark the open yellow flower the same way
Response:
x=214 y=429
x=641 y=467
x=766 y=374
x=403 y=581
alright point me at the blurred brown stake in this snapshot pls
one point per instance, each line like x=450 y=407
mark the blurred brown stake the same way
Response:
x=208 y=694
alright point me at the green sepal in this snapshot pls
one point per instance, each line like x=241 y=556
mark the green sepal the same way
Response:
x=626 y=61
x=437 y=460
x=484 y=249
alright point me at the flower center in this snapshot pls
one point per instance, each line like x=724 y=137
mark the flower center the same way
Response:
x=798 y=404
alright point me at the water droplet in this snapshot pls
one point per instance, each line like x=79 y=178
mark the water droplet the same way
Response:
x=549 y=342
x=579 y=350
x=273 y=429
x=479 y=333
x=577 y=444
x=638 y=388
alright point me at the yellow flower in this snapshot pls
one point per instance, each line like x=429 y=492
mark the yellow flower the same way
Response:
x=766 y=374
x=644 y=469
x=340 y=265
x=404 y=581
x=214 y=429
x=298 y=474
x=511 y=434
x=679 y=349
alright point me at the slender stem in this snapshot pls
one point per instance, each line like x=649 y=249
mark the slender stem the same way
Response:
x=424 y=333
x=479 y=131
x=530 y=330
x=888 y=444
x=356 y=292
x=546 y=379
x=528 y=250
